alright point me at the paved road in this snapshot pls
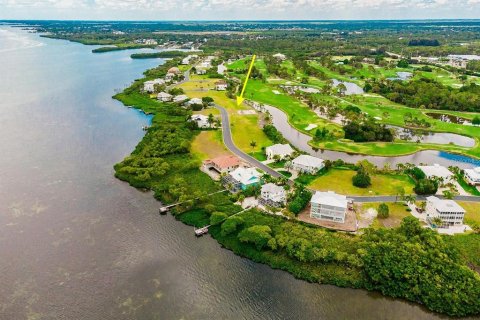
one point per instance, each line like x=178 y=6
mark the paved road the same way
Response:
x=227 y=140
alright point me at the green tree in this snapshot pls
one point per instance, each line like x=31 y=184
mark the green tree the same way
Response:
x=383 y=211
x=361 y=180
x=259 y=235
x=217 y=217
x=231 y=225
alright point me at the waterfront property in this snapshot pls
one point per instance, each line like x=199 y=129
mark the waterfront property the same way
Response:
x=221 y=85
x=180 y=98
x=307 y=164
x=242 y=178
x=472 y=176
x=149 y=86
x=329 y=206
x=273 y=195
x=174 y=70
x=194 y=101
x=220 y=166
x=437 y=171
x=448 y=211
x=201 y=120
x=164 y=97
x=280 y=151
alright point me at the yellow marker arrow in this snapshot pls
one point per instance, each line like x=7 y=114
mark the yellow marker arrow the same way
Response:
x=240 y=97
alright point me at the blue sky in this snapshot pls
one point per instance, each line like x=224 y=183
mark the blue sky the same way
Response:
x=238 y=9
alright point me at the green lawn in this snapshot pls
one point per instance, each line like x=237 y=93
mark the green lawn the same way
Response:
x=397 y=211
x=340 y=181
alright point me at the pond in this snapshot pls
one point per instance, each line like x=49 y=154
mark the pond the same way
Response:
x=352 y=88
x=449 y=118
x=417 y=135
x=401 y=76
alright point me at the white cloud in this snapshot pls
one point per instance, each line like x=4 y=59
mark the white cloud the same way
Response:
x=250 y=9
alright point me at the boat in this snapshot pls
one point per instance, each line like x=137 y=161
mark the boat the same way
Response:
x=163 y=211
x=201 y=231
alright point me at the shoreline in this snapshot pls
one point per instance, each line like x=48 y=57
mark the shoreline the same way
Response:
x=351 y=274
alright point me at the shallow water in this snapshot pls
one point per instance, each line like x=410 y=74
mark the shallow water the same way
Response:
x=75 y=243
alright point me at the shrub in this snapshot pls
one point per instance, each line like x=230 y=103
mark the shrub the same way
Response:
x=231 y=225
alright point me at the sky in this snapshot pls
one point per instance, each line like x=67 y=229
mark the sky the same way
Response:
x=239 y=9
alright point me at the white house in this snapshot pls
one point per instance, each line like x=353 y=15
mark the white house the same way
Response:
x=149 y=86
x=221 y=85
x=273 y=195
x=201 y=120
x=280 y=150
x=169 y=76
x=329 y=206
x=201 y=71
x=436 y=171
x=307 y=164
x=242 y=178
x=163 y=96
x=180 y=98
x=449 y=211
x=194 y=101
x=472 y=176
x=280 y=56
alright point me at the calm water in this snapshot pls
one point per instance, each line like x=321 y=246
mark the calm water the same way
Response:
x=300 y=140
x=75 y=243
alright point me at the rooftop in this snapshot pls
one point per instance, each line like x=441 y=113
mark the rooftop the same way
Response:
x=436 y=171
x=245 y=175
x=281 y=149
x=308 y=160
x=272 y=188
x=445 y=205
x=224 y=162
x=330 y=198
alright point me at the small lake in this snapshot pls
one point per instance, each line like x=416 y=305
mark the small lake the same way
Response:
x=352 y=88
x=402 y=76
x=449 y=118
x=416 y=135
x=300 y=141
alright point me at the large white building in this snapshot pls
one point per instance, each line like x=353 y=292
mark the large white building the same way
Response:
x=307 y=164
x=473 y=176
x=163 y=96
x=449 y=211
x=329 y=206
x=149 y=86
x=281 y=150
x=180 y=98
x=201 y=120
x=273 y=195
x=437 y=171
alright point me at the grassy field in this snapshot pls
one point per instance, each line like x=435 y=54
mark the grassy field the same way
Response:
x=473 y=211
x=245 y=127
x=208 y=144
x=397 y=211
x=342 y=178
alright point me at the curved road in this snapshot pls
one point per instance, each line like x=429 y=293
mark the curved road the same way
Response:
x=228 y=141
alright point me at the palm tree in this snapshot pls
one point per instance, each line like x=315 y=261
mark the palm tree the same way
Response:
x=210 y=120
x=410 y=198
x=253 y=144
x=437 y=222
